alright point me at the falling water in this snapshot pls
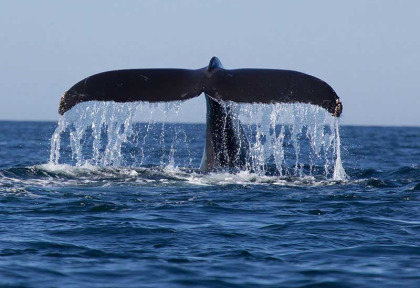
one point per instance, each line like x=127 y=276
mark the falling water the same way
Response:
x=296 y=139
x=285 y=139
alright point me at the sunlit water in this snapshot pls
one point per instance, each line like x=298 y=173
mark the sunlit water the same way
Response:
x=108 y=202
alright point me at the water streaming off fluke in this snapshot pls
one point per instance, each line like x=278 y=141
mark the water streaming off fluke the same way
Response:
x=285 y=139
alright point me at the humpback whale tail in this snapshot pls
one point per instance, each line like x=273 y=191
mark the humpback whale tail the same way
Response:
x=226 y=143
x=238 y=85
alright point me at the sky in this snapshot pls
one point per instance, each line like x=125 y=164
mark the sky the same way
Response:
x=367 y=50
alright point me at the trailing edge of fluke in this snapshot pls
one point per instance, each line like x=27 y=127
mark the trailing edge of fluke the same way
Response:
x=238 y=85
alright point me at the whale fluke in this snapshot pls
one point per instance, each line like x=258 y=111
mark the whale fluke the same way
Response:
x=238 y=85
x=149 y=85
x=272 y=86
x=226 y=142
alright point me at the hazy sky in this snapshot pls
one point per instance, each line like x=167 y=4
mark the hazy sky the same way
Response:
x=368 y=51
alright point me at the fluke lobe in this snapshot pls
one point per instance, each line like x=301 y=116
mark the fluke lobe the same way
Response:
x=226 y=143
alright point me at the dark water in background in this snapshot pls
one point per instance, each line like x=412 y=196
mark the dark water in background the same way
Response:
x=63 y=226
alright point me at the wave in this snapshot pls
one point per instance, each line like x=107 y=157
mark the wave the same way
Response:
x=63 y=175
x=59 y=175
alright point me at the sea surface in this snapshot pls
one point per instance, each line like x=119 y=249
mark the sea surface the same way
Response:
x=97 y=218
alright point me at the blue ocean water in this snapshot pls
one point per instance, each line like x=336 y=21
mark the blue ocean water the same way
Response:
x=138 y=223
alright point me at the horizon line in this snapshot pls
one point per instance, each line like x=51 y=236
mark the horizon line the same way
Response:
x=192 y=122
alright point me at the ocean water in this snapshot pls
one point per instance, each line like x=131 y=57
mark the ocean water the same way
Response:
x=88 y=203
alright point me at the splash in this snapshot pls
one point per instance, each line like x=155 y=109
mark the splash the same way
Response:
x=95 y=133
x=293 y=140
x=296 y=140
x=102 y=134
x=339 y=172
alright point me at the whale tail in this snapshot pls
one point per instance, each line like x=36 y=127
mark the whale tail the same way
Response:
x=238 y=85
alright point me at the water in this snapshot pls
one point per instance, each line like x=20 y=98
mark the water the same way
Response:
x=132 y=210
x=301 y=137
